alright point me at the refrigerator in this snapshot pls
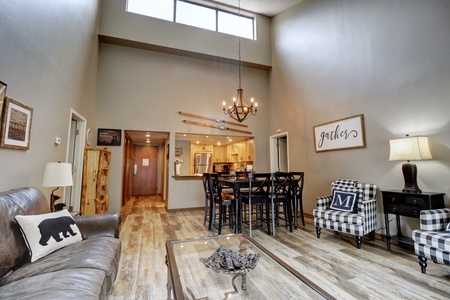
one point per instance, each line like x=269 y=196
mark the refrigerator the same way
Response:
x=202 y=163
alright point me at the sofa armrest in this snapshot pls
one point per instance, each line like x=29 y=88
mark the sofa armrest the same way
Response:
x=434 y=219
x=99 y=225
x=323 y=202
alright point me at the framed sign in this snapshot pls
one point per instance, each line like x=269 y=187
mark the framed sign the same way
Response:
x=109 y=137
x=347 y=133
x=16 y=125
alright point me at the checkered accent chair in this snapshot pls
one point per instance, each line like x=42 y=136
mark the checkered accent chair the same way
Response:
x=431 y=241
x=358 y=223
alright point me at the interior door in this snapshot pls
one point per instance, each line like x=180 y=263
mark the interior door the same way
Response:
x=145 y=170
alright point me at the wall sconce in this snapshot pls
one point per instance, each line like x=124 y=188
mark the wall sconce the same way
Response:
x=57 y=174
x=410 y=148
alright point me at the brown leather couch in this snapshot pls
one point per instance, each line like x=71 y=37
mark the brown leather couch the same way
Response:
x=84 y=270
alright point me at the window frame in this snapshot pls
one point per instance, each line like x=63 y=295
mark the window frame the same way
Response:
x=217 y=9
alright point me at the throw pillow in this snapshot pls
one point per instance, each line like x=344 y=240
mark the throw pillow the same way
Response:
x=49 y=232
x=344 y=201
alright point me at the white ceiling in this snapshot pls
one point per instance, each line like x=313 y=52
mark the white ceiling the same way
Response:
x=263 y=7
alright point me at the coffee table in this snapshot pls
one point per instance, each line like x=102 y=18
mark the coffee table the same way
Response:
x=272 y=278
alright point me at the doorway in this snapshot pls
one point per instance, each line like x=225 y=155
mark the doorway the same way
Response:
x=145 y=171
x=75 y=152
x=279 y=152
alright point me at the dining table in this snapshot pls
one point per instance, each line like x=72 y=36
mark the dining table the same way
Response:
x=240 y=185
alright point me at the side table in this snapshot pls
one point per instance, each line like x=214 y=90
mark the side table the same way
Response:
x=409 y=205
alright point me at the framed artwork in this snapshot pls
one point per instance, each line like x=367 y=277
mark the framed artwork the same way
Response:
x=109 y=137
x=347 y=133
x=16 y=125
x=2 y=98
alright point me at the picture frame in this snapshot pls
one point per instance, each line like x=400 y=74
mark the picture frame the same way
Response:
x=16 y=125
x=109 y=137
x=346 y=133
x=3 y=87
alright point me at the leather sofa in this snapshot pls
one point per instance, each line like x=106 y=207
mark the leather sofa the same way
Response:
x=83 y=270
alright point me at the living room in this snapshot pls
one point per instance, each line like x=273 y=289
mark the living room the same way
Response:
x=316 y=62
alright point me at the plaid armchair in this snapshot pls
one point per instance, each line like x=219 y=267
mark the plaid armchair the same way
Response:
x=359 y=222
x=431 y=241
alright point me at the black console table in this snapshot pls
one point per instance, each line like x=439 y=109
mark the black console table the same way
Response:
x=409 y=205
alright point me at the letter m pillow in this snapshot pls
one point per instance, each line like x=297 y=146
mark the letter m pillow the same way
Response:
x=344 y=201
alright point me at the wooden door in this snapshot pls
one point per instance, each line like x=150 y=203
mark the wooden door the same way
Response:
x=145 y=170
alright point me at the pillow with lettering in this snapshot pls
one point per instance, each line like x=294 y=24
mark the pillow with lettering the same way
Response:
x=47 y=233
x=344 y=201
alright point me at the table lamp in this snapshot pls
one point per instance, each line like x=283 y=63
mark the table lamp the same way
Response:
x=57 y=174
x=410 y=148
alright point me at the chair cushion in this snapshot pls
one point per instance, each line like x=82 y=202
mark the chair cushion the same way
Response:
x=49 y=232
x=344 y=201
x=339 y=216
x=434 y=239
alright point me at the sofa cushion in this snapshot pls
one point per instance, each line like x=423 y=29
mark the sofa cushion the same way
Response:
x=64 y=284
x=23 y=201
x=101 y=253
x=45 y=233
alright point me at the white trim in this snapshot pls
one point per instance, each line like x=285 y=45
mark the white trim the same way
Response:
x=77 y=165
x=273 y=150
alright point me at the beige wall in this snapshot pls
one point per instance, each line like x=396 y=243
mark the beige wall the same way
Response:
x=144 y=90
x=117 y=23
x=48 y=58
x=388 y=60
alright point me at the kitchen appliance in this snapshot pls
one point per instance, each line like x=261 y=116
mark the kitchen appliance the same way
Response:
x=202 y=163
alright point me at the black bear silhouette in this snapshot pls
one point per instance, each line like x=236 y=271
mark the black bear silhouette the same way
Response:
x=53 y=227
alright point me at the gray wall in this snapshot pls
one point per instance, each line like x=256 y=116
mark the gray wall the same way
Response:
x=144 y=90
x=49 y=59
x=388 y=60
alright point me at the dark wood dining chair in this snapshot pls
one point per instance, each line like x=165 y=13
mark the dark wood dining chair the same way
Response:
x=298 y=179
x=206 y=188
x=225 y=203
x=281 y=199
x=257 y=198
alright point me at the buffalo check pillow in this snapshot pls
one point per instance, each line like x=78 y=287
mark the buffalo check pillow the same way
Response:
x=344 y=201
x=49 y=232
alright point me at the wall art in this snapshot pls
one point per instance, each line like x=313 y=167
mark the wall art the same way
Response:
x=16 y=125
x=2 y=98
x=109 y=137
x=347 y=133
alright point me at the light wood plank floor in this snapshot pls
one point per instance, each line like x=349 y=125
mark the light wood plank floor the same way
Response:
x=333 y=262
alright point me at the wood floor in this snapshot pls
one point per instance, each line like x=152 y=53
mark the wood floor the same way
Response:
x=333 y=262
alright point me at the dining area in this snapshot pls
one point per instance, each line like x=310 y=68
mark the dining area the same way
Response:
x=246 y=201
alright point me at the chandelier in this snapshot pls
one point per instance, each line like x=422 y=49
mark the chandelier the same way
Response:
x=240 y=110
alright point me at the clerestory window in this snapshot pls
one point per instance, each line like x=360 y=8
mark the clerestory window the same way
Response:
x=196 y=14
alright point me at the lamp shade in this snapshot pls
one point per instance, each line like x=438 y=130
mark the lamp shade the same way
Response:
x=410 y=148
x=57 y=174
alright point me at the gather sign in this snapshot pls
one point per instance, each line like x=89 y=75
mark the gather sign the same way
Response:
x=347 y=133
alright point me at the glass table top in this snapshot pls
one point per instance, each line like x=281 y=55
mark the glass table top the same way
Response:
x=214 y=268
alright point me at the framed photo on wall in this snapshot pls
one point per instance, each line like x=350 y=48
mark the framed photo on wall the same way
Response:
x=347 y=133
x=16 y=125
x=109 y=137
x=2 y=98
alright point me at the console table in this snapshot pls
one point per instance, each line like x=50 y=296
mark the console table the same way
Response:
x=409 y=205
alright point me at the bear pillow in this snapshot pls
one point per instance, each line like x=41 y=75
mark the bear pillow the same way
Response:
x=46 y=233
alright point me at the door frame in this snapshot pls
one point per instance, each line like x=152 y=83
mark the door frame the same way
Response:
x=274 y=150
x=78 y=153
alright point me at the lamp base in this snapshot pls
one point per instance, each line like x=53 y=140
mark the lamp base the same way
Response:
x=410 y=176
